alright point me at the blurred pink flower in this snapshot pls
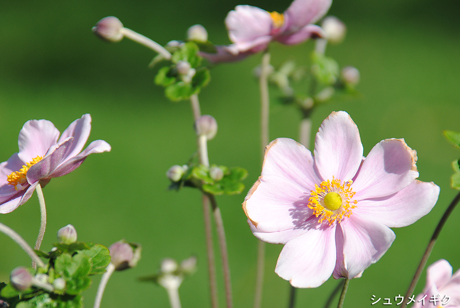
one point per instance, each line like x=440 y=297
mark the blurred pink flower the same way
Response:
x=42 y=157
x=440 y=285
x=333 y=211
x=251 y=29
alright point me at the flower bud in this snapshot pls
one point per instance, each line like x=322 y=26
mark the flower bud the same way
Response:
x=175 y=173
x=109 y=29
x=59 y=284
x=206 y=125
x=67 y=235
x=216 y=173
x=174 y=43
x=334 y=29
x=21 y=279
x=124 y=255
x=183 y=67
x=168 y=266
x=350 y=75
x=188 y=266
x=197 y=33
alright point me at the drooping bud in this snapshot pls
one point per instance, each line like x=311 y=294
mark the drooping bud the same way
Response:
x=350 y=75
x=206 y=125
x=216 y=173
x=175 y=173
x=67 y=235
x=197 y=33
x=334 y=29
x=124 y=255
x=109 y=29
x=21 y=279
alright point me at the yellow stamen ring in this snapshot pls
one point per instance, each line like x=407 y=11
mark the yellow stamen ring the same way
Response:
x=278 y=19
x=332 y=200
x=18 y=178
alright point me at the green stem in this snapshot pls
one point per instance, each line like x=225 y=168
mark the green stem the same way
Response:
x=334 y=293
x=344 y=292
x=292 y=296
x=195 y=106
x=100 y=290
x=430 y=247
x=41 y=232
x=23 y=244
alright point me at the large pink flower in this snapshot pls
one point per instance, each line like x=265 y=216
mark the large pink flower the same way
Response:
x=42 y=157
x=333 y=211
x=251 y=29
x=442 y=290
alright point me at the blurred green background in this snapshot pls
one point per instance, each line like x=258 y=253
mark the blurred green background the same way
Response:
x=52 y=67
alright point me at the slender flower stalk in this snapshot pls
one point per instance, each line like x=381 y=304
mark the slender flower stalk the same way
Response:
x=174 y=299
x=195 y=103
x=344 y=292
x=21 y=242
x=41 y=232
x=210 y=253
x=334 y=293
x=430 y=247
x=305 y=129
x=102 y=285
x=292 y=295
x=143 y=40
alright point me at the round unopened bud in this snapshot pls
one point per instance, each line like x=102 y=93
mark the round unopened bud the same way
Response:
x=124 y=255
x=334 y=29
x=67 y=235
x=175 y=173
x=206 y=125
x=168 y=266
x=216 y=173
x=109 y=29
x=21 y=279
x=197 y=33
x=188 y=266
x=183 y=67
x=59 y=284
x=350 y=75
x=174 y=43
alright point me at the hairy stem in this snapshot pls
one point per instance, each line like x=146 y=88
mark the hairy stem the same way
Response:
x=195 y=106
x=430 y=247
x=143 y=40
x=41 y=232
x=100 y=290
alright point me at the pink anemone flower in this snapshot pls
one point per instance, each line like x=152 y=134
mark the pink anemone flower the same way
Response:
x=42 y=157
x=332 y=211
x=442 y=289
x=251 y=29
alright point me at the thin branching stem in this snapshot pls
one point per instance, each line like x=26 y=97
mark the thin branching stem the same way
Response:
x=100 y=290
x=143 y=40
x=430 y=247
x=334 y=293
x=344 y=292
x=41 y=232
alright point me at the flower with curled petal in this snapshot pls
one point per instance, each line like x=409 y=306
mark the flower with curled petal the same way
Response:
x=333 y=211
x=43 y=156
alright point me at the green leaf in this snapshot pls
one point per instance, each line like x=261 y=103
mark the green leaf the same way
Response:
x=202 y=173
x=453 y=137
x=201 y=79
x=233 y=188
x=46 y=301
x=8 y=291
x=214 y=189
x=238 y=174
x=455 y=181
x=325 y=69
x=189 y=53
x=165 y=77
x=99 y=256
x=207 y=46
x=75 y=271
x=179 y=91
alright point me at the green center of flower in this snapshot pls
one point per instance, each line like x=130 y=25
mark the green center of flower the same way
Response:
x=332 y=200
x=277 y=18
x=18 y=178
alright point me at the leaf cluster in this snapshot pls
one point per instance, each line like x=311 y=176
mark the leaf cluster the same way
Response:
x=454 y=138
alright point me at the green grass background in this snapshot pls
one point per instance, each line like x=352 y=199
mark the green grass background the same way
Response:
x=52 y=67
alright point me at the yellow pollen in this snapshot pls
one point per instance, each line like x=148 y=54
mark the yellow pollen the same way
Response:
x=332 y=200
x=278 y=19
x=18 y=178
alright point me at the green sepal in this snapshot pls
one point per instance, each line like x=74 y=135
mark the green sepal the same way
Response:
x=165 y=77
x=189 y=53
x=452 y=137
x=455 y=179
x=325 y=69
x=207 y=46
x=75 y=271
x=99 y=256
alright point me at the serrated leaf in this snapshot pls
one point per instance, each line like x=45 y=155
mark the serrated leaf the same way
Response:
x=238 y=174
x=75 y=271
x=233 y=188
x=202 y=173
x=165 y=77
x=99 y=256
x=189 y=53
x=453 y=137
x=214 y=189
x=179 y=91
x=8 y=291
x=201 y=79
x=455 y=181
x=325 y=69
x=456 y=165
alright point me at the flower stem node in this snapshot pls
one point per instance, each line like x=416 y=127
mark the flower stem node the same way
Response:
x=125 y=255
x=350 y=75
x=197 y=33
x=21 y=279
x=334 y=29
x=175 y=173
x=109 y=29
x=206 y=125
x=67 y=235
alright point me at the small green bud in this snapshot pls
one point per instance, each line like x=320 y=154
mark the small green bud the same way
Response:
x=197 y=33
x=206 y=125
x=334 y=29
x=67 y=235
x=21 y=279
x=109 y=29
x=216 y=173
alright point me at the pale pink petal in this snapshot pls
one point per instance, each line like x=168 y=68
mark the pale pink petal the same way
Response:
x=364 y=242
x=308 y=260
x=277 y=237
x=248 y=27
x=35 y=138
x=44 y=168
x=403 y=208
x=276 y=204
x=79 y=130
x=438 y=273
x=389 y=167
x=303 y=12
x=309 y=31
x=13 y=164
x=452 y=289
x=225 y=54
x=9 y=206
x=338 y=148
x=97 y=146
